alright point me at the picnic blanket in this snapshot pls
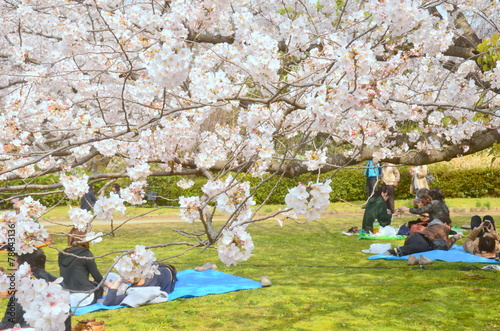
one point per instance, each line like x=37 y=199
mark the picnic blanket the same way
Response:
x=367 y=236
x=192 y=283
x=455 y=254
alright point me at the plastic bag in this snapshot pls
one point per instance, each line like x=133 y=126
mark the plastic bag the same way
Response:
x=377 y=248
x=386 y=231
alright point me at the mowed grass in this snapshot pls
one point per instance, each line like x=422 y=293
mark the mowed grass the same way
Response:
x=321 y=281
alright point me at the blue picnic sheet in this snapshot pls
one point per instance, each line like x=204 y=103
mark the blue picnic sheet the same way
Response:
x=192 y=283
x=455 y=254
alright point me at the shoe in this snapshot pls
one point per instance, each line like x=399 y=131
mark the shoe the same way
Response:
x=391 y=252
x=424 y=261
x=397 y=252
x=265 y=281
x=206 y=266
x=412 y=260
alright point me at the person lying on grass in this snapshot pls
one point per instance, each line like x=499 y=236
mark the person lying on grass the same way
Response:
x=119 y=289
x=484 y=246
x=434 y=236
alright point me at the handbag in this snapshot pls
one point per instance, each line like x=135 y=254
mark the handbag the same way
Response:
x=88 y=325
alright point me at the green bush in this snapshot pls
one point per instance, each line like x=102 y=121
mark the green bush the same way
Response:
x=347 y=185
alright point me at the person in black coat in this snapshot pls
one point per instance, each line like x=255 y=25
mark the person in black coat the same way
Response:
x=76 y=271
x=88 y=200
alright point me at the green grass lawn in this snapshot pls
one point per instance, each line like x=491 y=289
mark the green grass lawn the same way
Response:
x=321 y=281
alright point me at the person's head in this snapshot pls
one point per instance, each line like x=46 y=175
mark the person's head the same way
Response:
x=445 y=219
x=381 y=192
x=75 y=236
x=487 y=244
x=375 y=160
x=423 y=196
x=436 y=194
x=35 y=260
x=115 y=188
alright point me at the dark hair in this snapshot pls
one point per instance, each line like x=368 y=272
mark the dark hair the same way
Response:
x=436 y=194
x=76 y=235
x=423 y=193
x=116 y=187
x=445 y=219
x=379 y=190
x=35 y=260
x=487 y=244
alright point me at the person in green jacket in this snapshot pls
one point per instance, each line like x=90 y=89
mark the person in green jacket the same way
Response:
x=376 y=209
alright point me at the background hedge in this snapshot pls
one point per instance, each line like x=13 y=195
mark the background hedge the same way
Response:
x=347 y=184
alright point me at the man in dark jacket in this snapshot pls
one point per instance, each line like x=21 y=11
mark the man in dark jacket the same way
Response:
x=88 y=199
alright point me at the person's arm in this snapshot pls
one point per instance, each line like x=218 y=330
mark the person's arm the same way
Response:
x=112 y=297
x=422 y=210
x=468 y=244
x=94 y=272
x=452 y=240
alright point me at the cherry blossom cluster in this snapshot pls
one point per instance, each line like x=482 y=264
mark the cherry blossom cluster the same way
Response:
x=105 y=207
x=139 y=171
x=315 y=159
x=138 y=264
x=46 y=304
x=74 y=187
x=134 y=193
x=190 y=208
x=81 y=218
x=30 y=208
x=309 y=200
x=235 y=245
x=185 y=184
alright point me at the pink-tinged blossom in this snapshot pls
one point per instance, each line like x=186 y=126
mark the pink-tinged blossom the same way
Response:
x=107 y=147
x=235 y=245
x=185 y=184
x=46 y=305
x=309 y=200
x=190 y=208
x=138 y=264
x=28 y=235
x=93 y=237
x=7 y=226
x=134 y=193
x=139 y=171
x=105 y=207
x=75 y=187
x=81 y=218
x=31 y=209
x=315 y=159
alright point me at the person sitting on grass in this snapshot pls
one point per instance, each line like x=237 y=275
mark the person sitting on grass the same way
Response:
x=484 y=246
x=376 y=209
x=119 y=289
x=434 y=209
x=434 y=236
x=76 y=271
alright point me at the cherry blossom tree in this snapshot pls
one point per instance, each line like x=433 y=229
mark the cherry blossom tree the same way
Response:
x=220 y=88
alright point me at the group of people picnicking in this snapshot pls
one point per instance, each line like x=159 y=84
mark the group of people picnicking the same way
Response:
x=82 y=277
x=432 y=229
